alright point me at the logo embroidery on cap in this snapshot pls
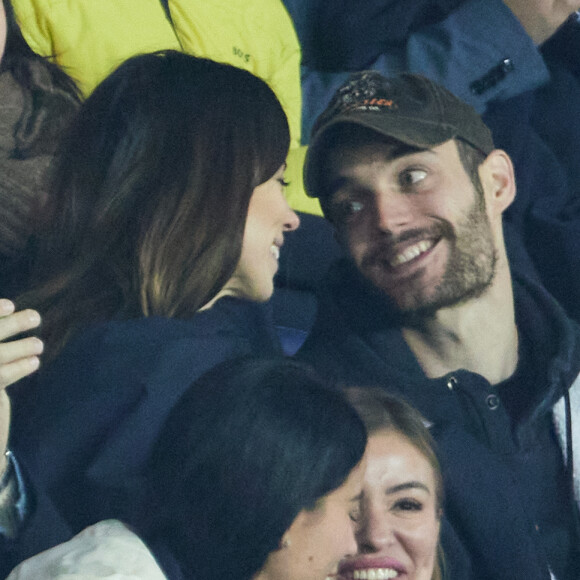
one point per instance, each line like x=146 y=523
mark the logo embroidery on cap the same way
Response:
x=362 y=92
x=377 y=104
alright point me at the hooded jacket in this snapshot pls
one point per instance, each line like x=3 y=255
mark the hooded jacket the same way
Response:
x=86 y=425
x=489 y=458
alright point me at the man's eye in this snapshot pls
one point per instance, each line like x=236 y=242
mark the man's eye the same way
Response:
x=354 y=206
x=346 y=209
x=412 y=177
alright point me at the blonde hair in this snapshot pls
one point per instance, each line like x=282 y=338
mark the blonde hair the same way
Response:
x=380 y=410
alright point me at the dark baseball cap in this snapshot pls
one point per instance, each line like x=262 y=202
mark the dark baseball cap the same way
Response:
x=409 y=108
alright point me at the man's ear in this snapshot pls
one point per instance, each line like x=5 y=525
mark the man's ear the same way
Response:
x=498 y=180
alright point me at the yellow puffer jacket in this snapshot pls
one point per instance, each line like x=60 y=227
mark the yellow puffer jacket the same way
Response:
x=90 y=38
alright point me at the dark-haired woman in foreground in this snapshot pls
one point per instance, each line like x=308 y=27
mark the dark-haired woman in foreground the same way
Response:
x=256 y=474
x=163 y=232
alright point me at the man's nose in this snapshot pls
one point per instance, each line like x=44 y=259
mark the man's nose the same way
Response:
x=394 y=211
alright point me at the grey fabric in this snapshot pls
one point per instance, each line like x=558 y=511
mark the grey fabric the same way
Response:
x=22 y=180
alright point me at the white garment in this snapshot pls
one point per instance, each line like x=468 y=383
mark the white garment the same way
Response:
x=560 y=422
x=107 y=550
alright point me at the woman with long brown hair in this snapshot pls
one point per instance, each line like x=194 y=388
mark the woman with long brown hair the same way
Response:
x=165 y=220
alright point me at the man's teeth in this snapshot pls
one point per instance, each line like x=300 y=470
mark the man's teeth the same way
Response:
x=275 y=251
x=375 y=574
x=411 y=252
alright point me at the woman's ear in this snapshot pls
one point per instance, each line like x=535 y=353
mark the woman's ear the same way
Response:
x=498 y=181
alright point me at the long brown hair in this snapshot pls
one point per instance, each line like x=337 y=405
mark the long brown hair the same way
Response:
x=150 y=192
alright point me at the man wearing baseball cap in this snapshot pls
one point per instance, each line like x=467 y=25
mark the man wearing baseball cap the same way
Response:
x=426 y=305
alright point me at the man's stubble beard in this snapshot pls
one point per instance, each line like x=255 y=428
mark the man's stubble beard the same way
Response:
x=469 y=272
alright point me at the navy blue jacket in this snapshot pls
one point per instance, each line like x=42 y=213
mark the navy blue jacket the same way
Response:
x=85 y=429
x=42 y=528
x=489 y=459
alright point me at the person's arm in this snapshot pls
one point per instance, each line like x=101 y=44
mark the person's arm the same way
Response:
x=481 y=52
x=13 y=498
x=541 y=18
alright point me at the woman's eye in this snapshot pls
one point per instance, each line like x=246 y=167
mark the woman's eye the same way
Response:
x=283 y=182
x=355 y=514
x=408 y=505
x=412 y=177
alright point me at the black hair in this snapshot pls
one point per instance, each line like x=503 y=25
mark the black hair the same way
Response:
x=251 y=444
x=471 y=158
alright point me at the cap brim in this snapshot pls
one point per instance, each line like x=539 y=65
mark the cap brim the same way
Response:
x=411 y=131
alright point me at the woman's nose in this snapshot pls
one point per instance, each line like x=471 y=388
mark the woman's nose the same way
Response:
x=292 y=221
x=374 y=532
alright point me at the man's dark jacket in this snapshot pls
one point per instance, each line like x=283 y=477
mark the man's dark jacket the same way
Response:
x=488 y=532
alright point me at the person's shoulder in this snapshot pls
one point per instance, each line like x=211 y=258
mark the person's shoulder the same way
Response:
x=144 y=351
x=541 y=319
x=154 y=332
x=110 y=363
x=122 y=360
x=119 y=341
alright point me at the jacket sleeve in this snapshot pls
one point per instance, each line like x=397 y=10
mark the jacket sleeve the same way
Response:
x=40 y=528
